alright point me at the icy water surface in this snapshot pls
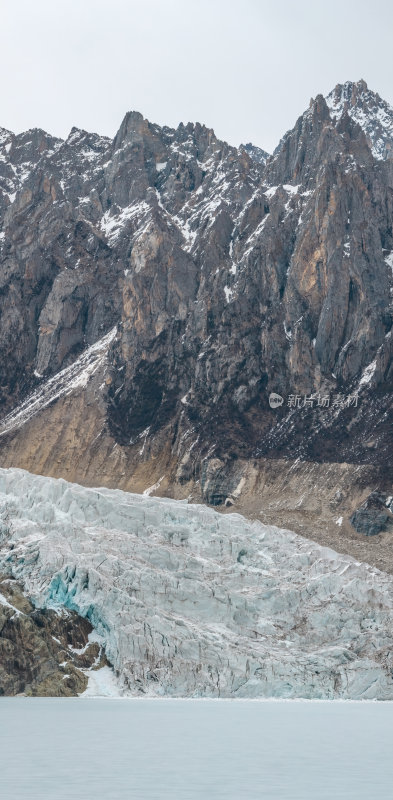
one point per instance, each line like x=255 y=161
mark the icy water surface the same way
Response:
x=181 y=749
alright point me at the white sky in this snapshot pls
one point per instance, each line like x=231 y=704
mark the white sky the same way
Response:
x=245 y=68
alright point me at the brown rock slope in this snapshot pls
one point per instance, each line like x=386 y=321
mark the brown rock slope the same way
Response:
x=70 y=438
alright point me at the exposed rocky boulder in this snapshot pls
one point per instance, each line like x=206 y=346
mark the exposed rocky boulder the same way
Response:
x=374 y=515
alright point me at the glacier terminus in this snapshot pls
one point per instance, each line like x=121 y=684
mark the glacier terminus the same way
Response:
x=191 y=602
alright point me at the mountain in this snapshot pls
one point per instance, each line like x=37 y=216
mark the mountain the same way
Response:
x=158 y=288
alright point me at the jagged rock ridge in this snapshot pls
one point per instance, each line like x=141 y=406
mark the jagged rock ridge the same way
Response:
x=227 y=277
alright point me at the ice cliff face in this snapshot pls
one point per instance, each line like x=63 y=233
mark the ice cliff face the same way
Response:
x=194 y=603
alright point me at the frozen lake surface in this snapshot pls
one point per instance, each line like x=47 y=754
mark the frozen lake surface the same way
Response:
x=186 y=749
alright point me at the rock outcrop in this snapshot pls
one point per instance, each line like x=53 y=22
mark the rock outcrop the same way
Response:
x=374 y=515
x=43 y=652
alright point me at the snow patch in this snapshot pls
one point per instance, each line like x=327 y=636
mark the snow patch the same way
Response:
x=102 y=683
x=389 y=260
x=112 y=224
x=148 y=492
x=367 y=375
x=64 y=383
x=228 y=294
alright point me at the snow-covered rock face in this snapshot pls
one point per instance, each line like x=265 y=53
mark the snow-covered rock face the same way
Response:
x=191 y=602
x=368 y=109
x=229 y=275
x=64 y=383
x=256 y=153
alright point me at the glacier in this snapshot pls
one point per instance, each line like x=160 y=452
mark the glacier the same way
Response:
x=191 y=602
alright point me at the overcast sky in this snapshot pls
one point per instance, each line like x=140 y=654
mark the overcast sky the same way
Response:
x=246 y=68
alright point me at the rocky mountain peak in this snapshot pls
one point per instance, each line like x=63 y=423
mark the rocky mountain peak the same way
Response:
x=297 y=155
x=256 y=153
x=134 y=125
x=199 y=135
x=81 y=142
x=349 y=92
x=5 y=135
x=369 y=110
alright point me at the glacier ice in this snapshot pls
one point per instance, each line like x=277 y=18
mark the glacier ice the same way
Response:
x=191 y=602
